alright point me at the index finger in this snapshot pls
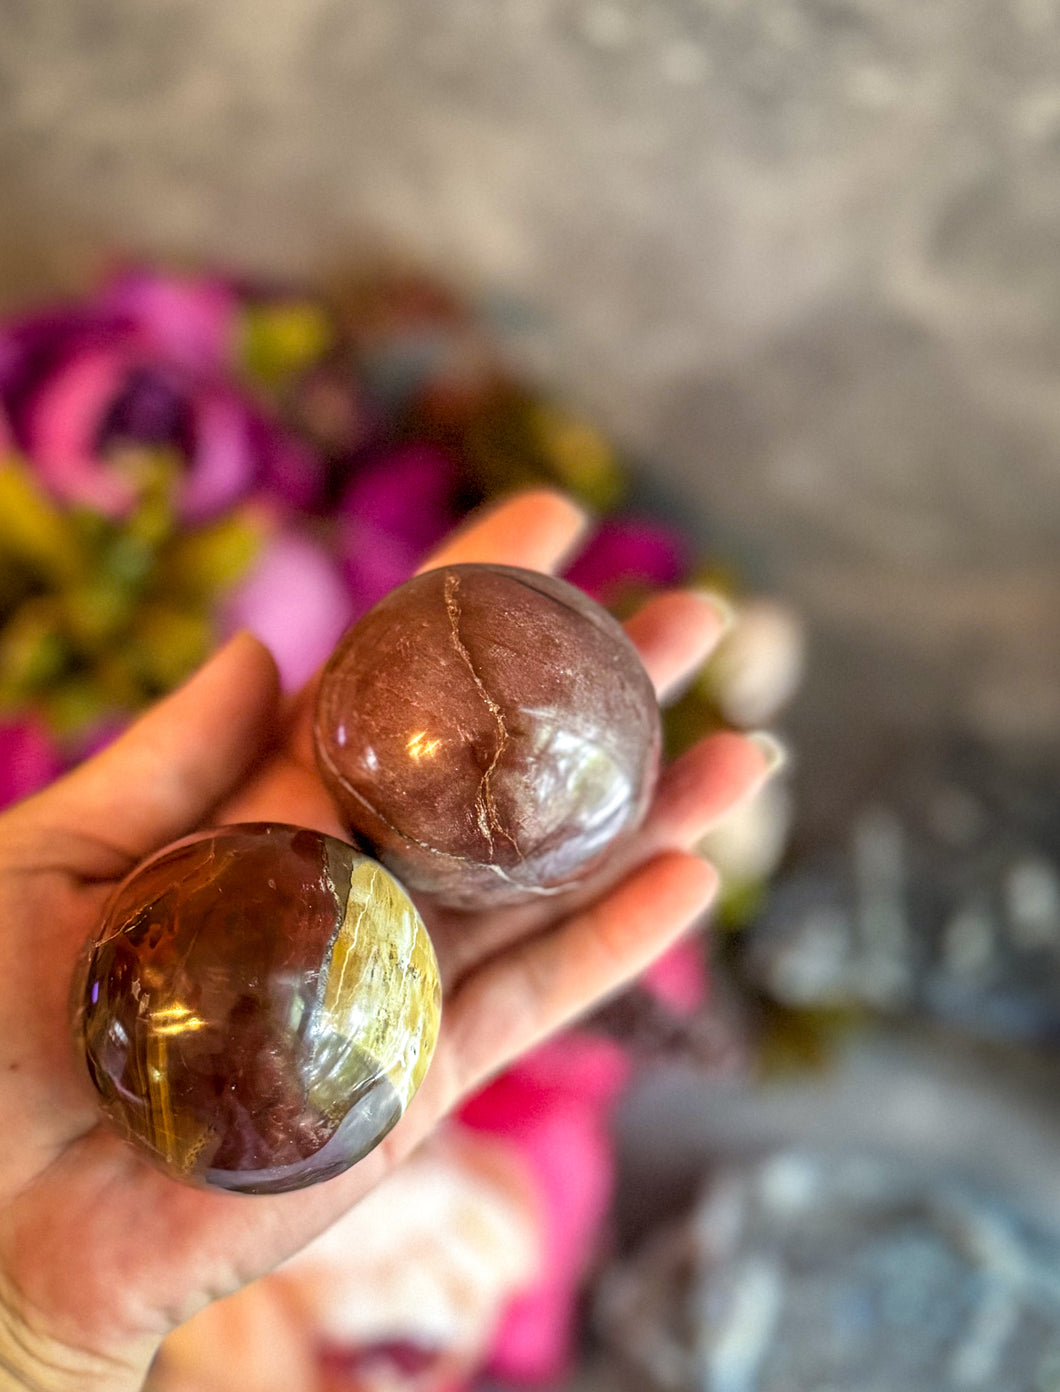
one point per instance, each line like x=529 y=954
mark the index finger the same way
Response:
x=536 y=530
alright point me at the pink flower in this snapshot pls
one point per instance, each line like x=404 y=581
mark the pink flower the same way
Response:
x=678 y=979
x=29 y=758
x=629 y=552
x=191 y=321
x=296 y=602
x=145 y=367
x=553 y=1108
x=393 y=512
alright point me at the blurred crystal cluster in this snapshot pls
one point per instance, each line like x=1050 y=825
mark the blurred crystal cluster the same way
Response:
x=944 y=901
x=907 y=961
x=883 y=1217
x=810 y=1271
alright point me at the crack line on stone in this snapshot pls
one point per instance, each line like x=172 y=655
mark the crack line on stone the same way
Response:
x=450 y=856
x=486 y=814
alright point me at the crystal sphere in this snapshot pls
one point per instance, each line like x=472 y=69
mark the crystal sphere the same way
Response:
x=489 y=732
x=258 y=1007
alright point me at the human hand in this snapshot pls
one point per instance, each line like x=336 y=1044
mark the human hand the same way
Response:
x=100 y=1253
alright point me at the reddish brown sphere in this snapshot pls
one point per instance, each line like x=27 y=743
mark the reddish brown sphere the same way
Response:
x=258 y=1007
x=490 y=732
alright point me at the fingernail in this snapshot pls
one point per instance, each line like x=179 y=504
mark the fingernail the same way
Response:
x=774 y=754
x=242 y=638
x=221 y=651
x=583 y=513
x=239 y=639
x=722 y=606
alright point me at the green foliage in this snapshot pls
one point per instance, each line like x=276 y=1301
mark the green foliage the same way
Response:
x=279 y=339
x=100 y=615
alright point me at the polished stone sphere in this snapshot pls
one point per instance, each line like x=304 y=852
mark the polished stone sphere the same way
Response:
x=489 y=732
x=258 y=1007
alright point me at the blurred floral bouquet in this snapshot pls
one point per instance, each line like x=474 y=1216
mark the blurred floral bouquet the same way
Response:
x=181 y=457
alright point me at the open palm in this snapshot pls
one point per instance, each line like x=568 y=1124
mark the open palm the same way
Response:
x=100 y=1253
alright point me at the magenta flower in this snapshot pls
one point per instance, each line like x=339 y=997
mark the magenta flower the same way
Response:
x=190 y=321
x=7 y=437
x=296 y=602
x=29 y=758
x=630 y=552
x=553 y=1108
x=145 y=367
x=393 y=512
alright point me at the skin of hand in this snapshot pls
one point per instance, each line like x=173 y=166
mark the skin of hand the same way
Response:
x=101 y=1255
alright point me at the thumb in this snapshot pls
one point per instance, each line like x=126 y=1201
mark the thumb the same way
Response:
x=161 y=778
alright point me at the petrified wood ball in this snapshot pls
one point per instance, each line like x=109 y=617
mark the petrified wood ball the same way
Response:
x=258 y=1007
x=490 y=732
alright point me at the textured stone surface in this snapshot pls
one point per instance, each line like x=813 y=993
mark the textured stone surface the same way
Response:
x=491 y=733
x=258 y=1008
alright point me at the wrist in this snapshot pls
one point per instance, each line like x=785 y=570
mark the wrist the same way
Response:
x=32 y=1361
